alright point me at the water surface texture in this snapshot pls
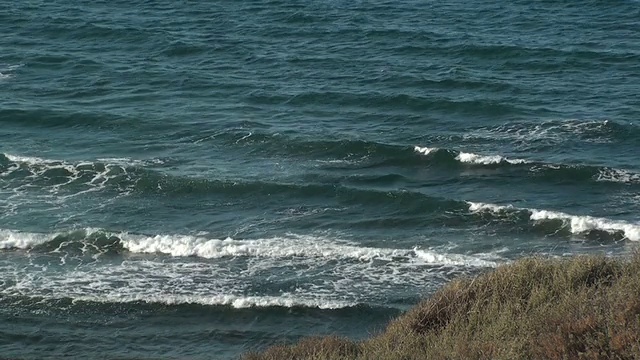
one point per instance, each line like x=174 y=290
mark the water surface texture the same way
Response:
x=190 y=180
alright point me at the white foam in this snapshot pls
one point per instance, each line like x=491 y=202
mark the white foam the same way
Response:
x=284 y=247
x=472 y=158
x=334 y=274
x=618 y=175
x=153 y=295
x=22 y=240
x=292 y=246
x=168 y=283
x=577 y=223
x=477 y=206
x=11 y=239
x=6 y=71
x=424 y=150
x=554 y=131
x=433 y=257
x=37 y=166
x=94 y=176
x=123 y=161
x=235 y=301
x=31 y=160
x=580 y=224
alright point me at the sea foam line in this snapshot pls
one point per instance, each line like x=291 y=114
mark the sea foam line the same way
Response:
x=577 y=223
x=471 y=158
x=121 y=161
x=73 y=172
x=552 y=131
x=31 y=160
x=602 y=174
x=617 y=175
x=93 y=174
x=22 y=240
x=354 y=275
x=424 y=150
x=234 y=301
x=292 y=246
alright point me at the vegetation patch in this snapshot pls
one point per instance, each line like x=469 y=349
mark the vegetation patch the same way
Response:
x=585 y=307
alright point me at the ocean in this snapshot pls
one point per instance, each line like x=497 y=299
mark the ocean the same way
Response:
x=197 y=179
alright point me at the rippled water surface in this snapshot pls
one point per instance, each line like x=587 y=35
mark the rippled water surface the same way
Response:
x=196 y=179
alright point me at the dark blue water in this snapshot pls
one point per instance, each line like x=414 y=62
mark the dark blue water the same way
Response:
x=196 y=179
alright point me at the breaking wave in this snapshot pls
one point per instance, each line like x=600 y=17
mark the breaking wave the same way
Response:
x=290 y=246
x=69 y=179
x=537 y=169
x=125 y=176
x=575 y=224
x=313 y=271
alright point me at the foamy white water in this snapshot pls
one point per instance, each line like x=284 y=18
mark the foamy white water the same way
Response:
x=235 y=301
x=290 y=246
x=83 y=176
x=330 y=273
x=577 y=223
x=22 y=240
x=31 y=160
x=581 y=224
x=471 y=158
x=122 y=161
x=618 y=175
x=424 y=150
x=300 y=246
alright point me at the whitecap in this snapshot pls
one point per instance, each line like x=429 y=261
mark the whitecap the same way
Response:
x=617 y=175
x=472 y=158
x=581 y=224
x=22 y=240
x=290 y=246
x=478 y=206
x=31 y=160
x=424 y=150
x=329 y=273
x=576 y=223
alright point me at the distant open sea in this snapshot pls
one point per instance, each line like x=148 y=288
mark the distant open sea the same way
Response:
x=196 y=179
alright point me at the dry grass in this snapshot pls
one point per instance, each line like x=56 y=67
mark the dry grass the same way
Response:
x=585 y=307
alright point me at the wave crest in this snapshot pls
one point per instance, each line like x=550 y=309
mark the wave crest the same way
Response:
x=486 y=160
x=470 y=158
x=552 y=171
x=576 y=224
x=291 y=246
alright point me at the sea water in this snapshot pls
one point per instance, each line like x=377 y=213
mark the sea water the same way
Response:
x=196 y=179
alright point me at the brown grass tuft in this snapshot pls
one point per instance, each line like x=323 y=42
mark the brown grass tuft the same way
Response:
x=316 y=348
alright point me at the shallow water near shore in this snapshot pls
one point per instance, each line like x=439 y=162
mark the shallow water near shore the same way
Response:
x=201 y=179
